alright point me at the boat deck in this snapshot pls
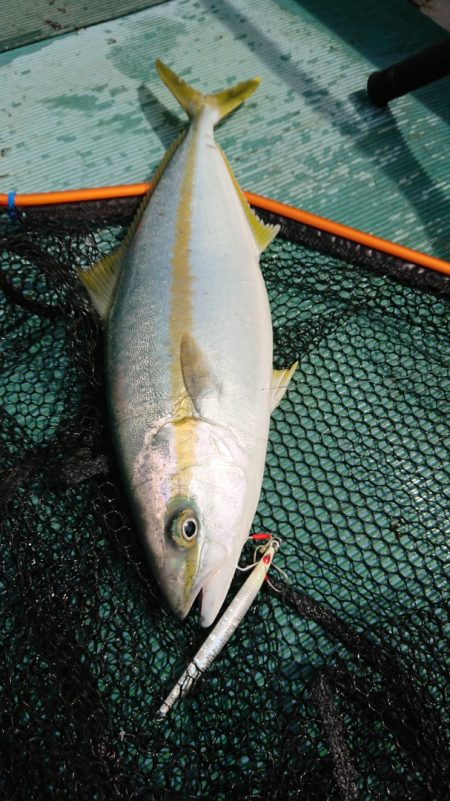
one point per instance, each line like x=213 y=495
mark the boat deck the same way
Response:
x=82 y=104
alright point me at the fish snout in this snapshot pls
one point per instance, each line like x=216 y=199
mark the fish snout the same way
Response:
x=175 y=593
x=177 y=577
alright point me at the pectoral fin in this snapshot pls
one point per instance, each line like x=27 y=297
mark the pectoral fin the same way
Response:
x=280 y=381
x=198 y=377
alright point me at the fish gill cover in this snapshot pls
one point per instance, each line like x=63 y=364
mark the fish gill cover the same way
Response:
x=335 y=686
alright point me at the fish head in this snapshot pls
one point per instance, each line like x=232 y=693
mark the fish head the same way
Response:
x=195 y=510
x=204 y=533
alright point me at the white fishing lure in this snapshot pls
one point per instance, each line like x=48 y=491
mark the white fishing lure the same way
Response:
x=222 y=631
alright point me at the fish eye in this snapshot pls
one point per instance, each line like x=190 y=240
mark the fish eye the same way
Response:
x=184 y=528
x=190 y=528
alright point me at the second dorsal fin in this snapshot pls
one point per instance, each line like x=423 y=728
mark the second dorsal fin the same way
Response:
x=102 y=277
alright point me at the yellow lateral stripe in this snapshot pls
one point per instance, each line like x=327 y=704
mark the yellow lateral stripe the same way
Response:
x=181 y=316
x=181 y=287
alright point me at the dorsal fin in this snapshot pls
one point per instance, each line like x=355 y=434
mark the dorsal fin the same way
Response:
x=167 y=157
x=102 y=277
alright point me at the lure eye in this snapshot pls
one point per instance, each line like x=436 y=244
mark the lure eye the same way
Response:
x=184 y=528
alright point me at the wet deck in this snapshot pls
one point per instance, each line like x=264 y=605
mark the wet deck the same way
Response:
x=86 y=108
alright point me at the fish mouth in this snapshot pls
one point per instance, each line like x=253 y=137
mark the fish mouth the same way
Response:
x=208 y=593
x=194 y=602
x=176 y=598
x=213 y=592
x=199 y=600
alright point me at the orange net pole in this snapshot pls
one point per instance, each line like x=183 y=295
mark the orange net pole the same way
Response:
x=292 y=213
x=344 y=231
x=76 y=195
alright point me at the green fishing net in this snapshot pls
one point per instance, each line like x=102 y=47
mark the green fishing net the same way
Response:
x=336 y=684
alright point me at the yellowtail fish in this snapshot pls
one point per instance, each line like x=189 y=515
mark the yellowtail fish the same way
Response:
x=189 y=360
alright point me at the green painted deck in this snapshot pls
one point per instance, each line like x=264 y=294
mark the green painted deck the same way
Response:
x=25 y=21
x=86 y=108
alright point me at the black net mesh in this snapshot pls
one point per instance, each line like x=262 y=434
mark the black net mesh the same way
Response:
x=335 y=686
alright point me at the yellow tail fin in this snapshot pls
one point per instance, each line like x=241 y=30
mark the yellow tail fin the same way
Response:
x=193 y=101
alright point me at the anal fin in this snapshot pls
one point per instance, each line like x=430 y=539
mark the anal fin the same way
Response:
x=263 y=234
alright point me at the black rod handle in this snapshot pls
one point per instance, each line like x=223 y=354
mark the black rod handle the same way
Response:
x=410 y=74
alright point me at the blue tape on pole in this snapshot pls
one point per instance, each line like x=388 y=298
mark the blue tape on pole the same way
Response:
x=11 y=207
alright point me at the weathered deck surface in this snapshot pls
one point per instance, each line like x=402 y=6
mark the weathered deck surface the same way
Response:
x=86 y=108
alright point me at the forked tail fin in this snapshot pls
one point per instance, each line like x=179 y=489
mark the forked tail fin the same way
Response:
x=193 y=102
